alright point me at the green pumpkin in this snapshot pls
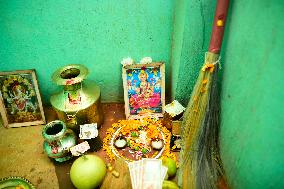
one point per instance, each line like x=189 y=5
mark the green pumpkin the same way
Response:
x=88 y=172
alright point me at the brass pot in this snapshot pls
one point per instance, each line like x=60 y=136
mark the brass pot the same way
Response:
x=79 y=102
x=58 y=140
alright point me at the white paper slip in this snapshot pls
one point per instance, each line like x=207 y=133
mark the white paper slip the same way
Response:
x=88 y=131
x=152 y=173
x=163 y=174
x=131 y=170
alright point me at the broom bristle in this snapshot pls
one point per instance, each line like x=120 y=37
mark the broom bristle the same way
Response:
x=209 y=168
x=200 y=131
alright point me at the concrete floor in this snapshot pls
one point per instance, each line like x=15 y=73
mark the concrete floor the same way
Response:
x=21 y=152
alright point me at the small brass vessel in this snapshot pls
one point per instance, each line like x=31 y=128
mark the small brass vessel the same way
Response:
x=58 y=140
x=79 y=102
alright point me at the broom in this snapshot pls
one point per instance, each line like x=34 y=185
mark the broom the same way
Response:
x=200 y=164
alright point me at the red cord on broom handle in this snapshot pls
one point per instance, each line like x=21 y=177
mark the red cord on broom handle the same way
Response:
x=218 y=26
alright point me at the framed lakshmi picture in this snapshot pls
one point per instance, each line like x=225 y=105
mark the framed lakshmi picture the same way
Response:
x=144 y=90
x=20 y=101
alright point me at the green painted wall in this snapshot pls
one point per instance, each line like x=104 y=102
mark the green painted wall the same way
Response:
x=49 y=34
x=177 y=41
x=252 y=134
x=192 y=30
x=252 y=78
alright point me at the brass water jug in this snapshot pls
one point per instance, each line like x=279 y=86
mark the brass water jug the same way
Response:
x=79 y=102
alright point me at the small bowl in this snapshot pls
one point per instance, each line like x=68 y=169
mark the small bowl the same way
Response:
x=120 y=142
x=157 y=144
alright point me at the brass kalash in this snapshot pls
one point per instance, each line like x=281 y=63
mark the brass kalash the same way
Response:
x=79 y=102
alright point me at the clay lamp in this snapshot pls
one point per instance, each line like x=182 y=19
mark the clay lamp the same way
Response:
x=157 y=144
x=120 y=142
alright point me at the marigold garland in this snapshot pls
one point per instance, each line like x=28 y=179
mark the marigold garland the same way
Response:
x=154 y=128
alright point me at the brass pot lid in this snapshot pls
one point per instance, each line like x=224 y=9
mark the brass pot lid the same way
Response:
x=70 y=74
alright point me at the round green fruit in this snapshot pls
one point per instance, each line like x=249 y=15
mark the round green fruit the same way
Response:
x=171 y=164
x=87 y=172
x=169 y=185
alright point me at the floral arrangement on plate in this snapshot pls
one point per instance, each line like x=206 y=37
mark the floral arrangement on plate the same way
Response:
x=136 y=139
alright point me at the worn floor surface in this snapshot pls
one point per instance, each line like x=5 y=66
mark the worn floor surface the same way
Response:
x=21 y=152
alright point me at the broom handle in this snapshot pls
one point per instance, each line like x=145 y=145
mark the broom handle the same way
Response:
x=218 y=26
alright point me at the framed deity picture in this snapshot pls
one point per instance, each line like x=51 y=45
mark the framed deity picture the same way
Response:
x=144 y=90
x=20 y=101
